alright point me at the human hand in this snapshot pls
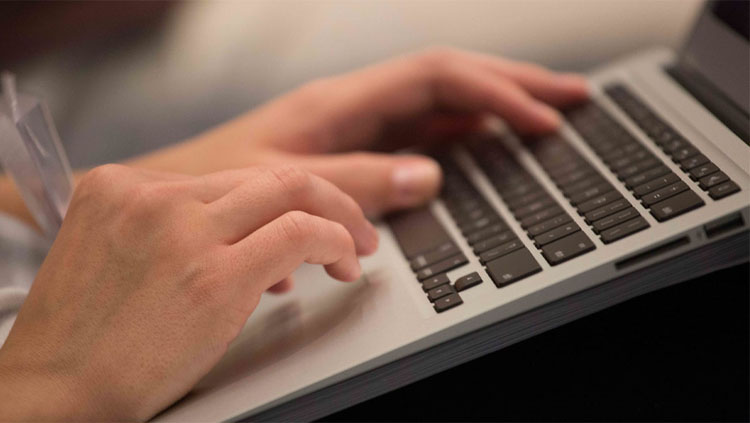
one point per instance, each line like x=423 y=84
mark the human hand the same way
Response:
x=152 y=275
x=415 y=99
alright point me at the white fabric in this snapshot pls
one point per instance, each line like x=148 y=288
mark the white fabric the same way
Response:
x=22 y=251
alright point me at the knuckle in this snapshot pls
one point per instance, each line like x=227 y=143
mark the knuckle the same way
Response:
x=438 y=56
x=97 y=187
x=342 y=236
x=100 y=177
x=294 y=180
x=203 y=283
x=296 y=225
x=146 y=202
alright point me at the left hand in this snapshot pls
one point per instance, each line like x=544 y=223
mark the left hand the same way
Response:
x=324 y=126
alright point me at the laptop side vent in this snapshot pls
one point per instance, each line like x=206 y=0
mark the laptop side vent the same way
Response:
x=653 y=252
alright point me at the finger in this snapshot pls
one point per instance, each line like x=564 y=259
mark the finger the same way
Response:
x=431 y=129
x=558 y=89
x=477 y=90
x=268 y=194
x=274 y=251
x=379 y=182
x=407 y=87
x=282 y=286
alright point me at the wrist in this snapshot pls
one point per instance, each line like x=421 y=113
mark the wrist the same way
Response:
x=32 y=393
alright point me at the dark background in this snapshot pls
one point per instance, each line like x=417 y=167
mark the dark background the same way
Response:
x=677 y=354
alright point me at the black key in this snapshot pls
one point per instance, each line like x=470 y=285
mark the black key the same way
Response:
x=417 y=231
x=663 y=193
x=655 y=184
x=500 y=251
x=590 y=193
x=721 y=191
x=567 y=248
x=694 y=161
x=512 y=267
x=571 y=190
x=566 y=165
x=576 y=176
x=492 y=242
x=442 y=266
x=703 y=170
x=461 y=207
x=441 y=291
x=646 y=176
x=447 y=302
x=675 y=206
x=485 y=233
x=632 y=159
x=673 y=145
x=548 y=225
x=525 y=200
x=599 y=201
x=435 y=281
x=666 y=137
x=605 y=211
x=624 y=229
x=713 y=179
x=684 y=153
x=614 y=219
x=444 y=251
x=476 y=225
x=476 y=214
x=621 y=151
x=466 y=282
x=637 y=168
x=534 y=207
x=556 y=234
x=517 y=191
x=541 y=216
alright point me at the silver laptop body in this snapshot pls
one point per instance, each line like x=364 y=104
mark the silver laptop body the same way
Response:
x=328 y=345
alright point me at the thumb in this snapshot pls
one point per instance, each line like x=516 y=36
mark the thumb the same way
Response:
x=379 y=182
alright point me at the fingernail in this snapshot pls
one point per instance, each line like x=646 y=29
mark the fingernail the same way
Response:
x=550 y=116
x=370 y=239
x=356 y=272
x=414 y=180
x=575 y=82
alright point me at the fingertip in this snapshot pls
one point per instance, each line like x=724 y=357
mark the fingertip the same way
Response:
x=415 y=180
x=577 y=85
x=283 y=286
x=543 y=119
x=369 y=245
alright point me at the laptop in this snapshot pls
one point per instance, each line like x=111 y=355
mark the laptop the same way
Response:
x=645 y=186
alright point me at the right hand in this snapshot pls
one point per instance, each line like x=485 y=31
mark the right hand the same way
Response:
x=154 y=274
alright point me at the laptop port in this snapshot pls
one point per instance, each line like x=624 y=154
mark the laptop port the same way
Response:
x=724 y=224
x=653 y=252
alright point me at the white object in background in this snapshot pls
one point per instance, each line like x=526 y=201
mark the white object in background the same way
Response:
x=31 y=152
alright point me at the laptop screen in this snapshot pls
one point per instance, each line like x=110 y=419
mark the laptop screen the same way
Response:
x=718 y=49
x=736 y=15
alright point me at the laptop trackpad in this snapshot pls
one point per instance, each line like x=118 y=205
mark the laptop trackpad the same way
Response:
x=283 y=326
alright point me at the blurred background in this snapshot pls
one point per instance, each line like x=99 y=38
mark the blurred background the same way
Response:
x=122 y=78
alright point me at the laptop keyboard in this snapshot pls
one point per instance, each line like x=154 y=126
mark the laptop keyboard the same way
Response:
x=603 y=208
x=658 y=188
x=545 y=222
x=680 y=150
x=432 y=252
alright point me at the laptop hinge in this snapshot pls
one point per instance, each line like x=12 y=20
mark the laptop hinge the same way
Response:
x=716 y=102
